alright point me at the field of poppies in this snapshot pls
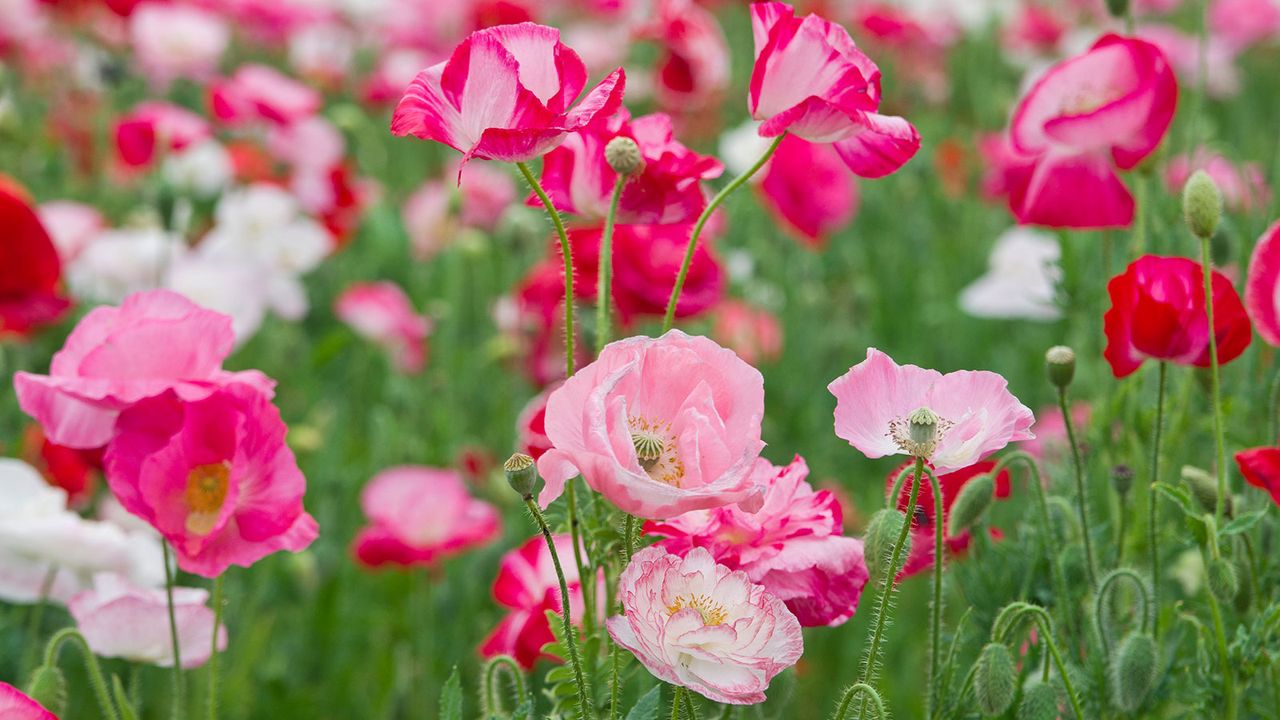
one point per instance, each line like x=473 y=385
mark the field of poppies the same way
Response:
x=914 y=359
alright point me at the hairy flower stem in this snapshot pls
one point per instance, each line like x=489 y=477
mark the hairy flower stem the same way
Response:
x=604 y=281
x=1082 y=497
x=179 y=700
x=213 y=653
x=868 y=693
x=886 y=595
x=96 y=679
x=935 y=621
x=585 y=711
x=568 y=262
x=579 y=560
x=492 y=698
x=1215 y=384
x=1228 y=676
x=669 y=319
x=1104 y=594
x=1153 y=502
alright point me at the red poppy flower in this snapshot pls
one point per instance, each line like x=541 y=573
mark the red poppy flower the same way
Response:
x=1261 y=468
x=29 y=292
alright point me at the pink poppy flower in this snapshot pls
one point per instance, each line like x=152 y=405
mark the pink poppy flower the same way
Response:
x=1088 y=115
x=1005 y=169
x=527 y=585
x=120 y=620
x=154 y=342
x=506 y=94
x=977 y=413
x=692 y=69
x=1183 y=51
x=752 y=332
x=1244 y=22
x=1051 y=445
x=1262 y=287
x=1243 y=186
x=659 y=426
x=810 y=80
x=15 y=705
x=173 y=41
x=261 y=93
x=381 y=312
x=153 y=128
x=794 y=545
x=700 y=625
x=420 y=515
x=809 y=190
x=667 y=190
x=921 y=556
x=213 y=475
x=531 y=426
x=486 y=191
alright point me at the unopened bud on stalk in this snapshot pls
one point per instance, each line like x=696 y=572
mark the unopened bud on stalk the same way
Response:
x=882 y=533
x=1118 y=8
x=623 y=155
x=1060 y=362
x=971 y=504
x=1039 y=701
x=1202 y=204
x=1224 y=581
x=995 y=679
x=48 y=686
x=1133 y=671
x=1204 y=488
x=1122 y=479
x=522 y=474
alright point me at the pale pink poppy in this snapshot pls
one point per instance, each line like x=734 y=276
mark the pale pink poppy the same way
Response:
x=261 y=93
x=1262 y=287
x=1051 y=444
x=794 y=545
x=383 y=313
x=120 y=620
x=752 y=332
x=1183 y=51
x=1242 y=23
x=16 y=705
x=700 y=625
x=507 y=93
x=809 y=190
x=659 y=426
x=173 y=41
x=1242 y=186
x=154 y=342
x=419 y=515
x=71 y=225
x=812 y=81
x=977 y=415
x=153 y=128
x=429 y=220
x=1085 y=117
x=213 y=475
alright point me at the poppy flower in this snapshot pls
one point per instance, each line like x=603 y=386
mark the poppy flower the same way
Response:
x=1261 y=469
x=383 y=313
x=922 y=525
x=16 y=705
x=419 y=515
x=809 y=190
x=30 y=295
x=1260 y=296
x=120 y=620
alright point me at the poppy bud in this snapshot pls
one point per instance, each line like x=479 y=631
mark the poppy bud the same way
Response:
x=1122 y=479
x=1224 y=581
x=1060 y=361
x=522 y=474
x=623 y=155
x=1039 y=701
x=1204 y=488
x=1133 y=671
x=1118 y=8
x=972 y=502
x=48 y=686
x=882 y=533
x=1202 y=204
x=995 y=679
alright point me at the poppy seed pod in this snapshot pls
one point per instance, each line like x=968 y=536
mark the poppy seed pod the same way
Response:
x=995 y=679
x=1133 y=671
x=623 y=155
x=882 y=533
x=522 y=474
x=971 y=504
x=1060 y=362
x=48 y=686
x=1202 y=204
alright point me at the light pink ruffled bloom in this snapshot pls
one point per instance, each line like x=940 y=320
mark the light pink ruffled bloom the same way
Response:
x=15 y=705
x=977 y=413
x=419 y=515
x=120 y=620
x=794 y=546
x=812 y=81
x=381 y=312
x=212 y=475
x=177 y=41
x=700 y=625
x=261 y=93
x=506 y=93
x=154 y=342
x=1262 y=287
x=658 y=426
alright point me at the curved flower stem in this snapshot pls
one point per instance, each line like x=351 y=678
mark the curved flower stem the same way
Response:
x=1153 y=501
x=868 y=693
x=886 y=595
x=1215 y=384
x=935 y=623
x=213 y=654
x=491 y=696
x=570 y=634
x=604 y=281
x=1100 y=601
x=669 y=319
x=179 y=701
x=1082 y=498
x=568 y=262
x=96 y=679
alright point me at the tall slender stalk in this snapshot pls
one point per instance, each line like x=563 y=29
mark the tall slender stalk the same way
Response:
x=935 y=620
x=1082 y=497
x=1215 y=383
x=567 y=253
x=213 y=653
x=1153 y=502
x=604 y=281
x=179 y=691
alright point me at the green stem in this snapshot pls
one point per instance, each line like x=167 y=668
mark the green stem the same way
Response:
x=677 y=700
x=213 y=653
x=689 y=707
x=1228 y=677
x=604 y=281
x=1153 y=501
x=868 y=693
x=36 y=619
x=1062 y=669
x=935 y=621
x=96 y=679
x=579 y=561
x=1215 y=383
x=670 y=317
x=567 y=253
x=1082 y=498
x=1100 y=603
x=570 y=634
x=491 y=695
x=179 y=702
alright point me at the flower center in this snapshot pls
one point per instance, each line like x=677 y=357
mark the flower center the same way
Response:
x=206 y=492
x=712 y=612
x=656 y=450
x=919 y=433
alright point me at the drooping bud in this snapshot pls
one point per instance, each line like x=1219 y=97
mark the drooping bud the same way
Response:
x=882 y=533
x=623 y=155
x=922 y=428
x=1204 y=488
x=522 y=474
x=1202 y=204
x=970 y=505
x=48 y=686
x=1039 y=701
x=1060 y=362
x=1224 y=581
x=1122 y=479
x=995 y=679
x=1133 y=671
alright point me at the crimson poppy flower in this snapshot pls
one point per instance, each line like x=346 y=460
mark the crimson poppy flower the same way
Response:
x=29 y=286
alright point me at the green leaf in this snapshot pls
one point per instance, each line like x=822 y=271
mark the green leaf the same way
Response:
x=451 y=697
x=1243 y=523
x=1180 y=495
x=122 y=700
x=646 y=708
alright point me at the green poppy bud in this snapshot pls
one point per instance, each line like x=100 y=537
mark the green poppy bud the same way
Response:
x=1133 y=671
x=882 y=532
x=971 y=504
x=48 y=686
x=1039 y=701
x=995 y=679
x=1122 y=479
x=1202 y=204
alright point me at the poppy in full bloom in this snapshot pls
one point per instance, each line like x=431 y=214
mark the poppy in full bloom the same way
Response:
x=383 y=313
x=1086 y=117
x=1158 y=311
x=659 y=426
x=419 y=515
x=977 y=415
x=794 y=545
x=700 y=625
x=174 y=41
x=922 y=525
x=120 y=620
x=811 y=80
x=16 y=705
x=1260 y=288
x=30 y=293
x=531 y=426
x=260 y=93
x=506 y=93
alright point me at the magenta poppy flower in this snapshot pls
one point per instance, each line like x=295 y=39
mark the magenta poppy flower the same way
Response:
x=659 y=426
x=154 y=342
x=262 y=93
x=691 y=72
x=794 y=545
x=212 y=475
x=811 y=80
x=700 y=625
x=30 y=284
x=1261 y=291
x=1157 y=311
x=1087 y=116
x=506 y=93
x=383 y=313
x=153 y=128
x=977 y=415
x=120 y=620
x=809 y=190
x=667 y=190
x=419 y=515
x=16 y=705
